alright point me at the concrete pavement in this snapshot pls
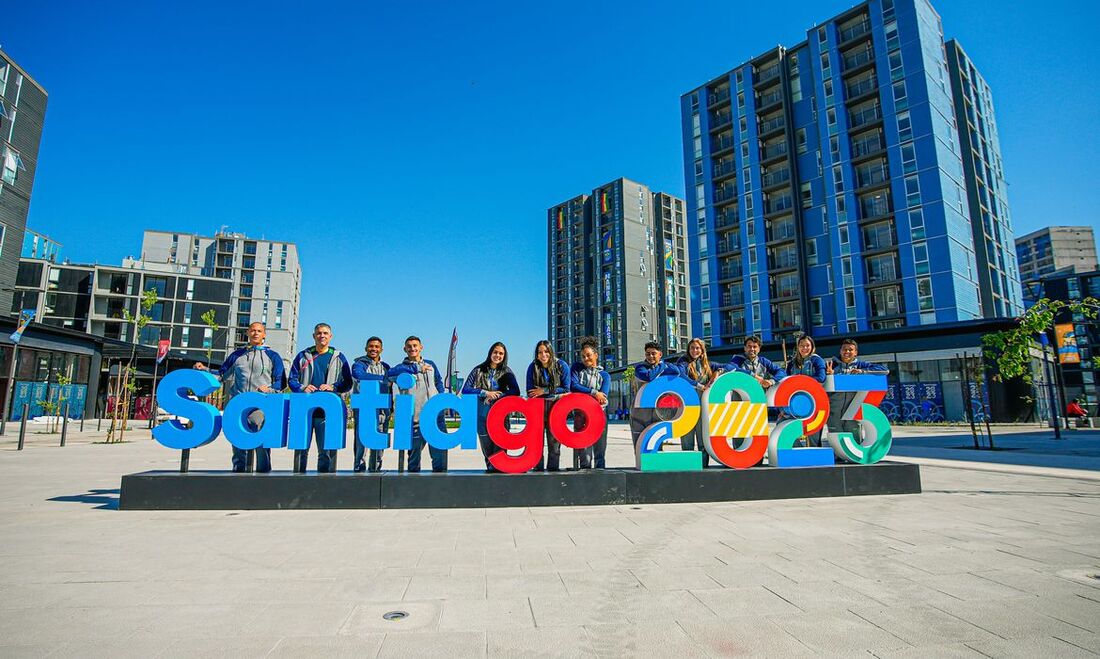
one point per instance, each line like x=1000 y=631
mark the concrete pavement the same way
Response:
x=982 y=564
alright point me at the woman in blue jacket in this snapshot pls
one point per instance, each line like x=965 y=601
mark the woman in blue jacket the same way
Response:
x=548 y=378
x=588 y=377
x=490 y=381
x=695 y=368
x=807 y=362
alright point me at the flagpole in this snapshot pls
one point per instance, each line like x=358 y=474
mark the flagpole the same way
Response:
x=153 y=413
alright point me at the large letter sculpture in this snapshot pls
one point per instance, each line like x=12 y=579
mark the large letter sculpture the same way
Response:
x=272 y=432
x=805 y=400
x=743 y=419
x=529 y=439
x=302 y=407
x=368 y=402
x=206 y=423
x=877 y=436
x=647 y=450
x=435 y=433
x=595 y=421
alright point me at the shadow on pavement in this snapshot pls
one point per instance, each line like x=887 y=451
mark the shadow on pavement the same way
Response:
x=108 y=499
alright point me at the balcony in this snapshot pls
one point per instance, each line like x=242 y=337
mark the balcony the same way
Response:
x=869 y=176
x=724 y=168
x=778 y=205
x=771 y=98
x=781 y=231
x=733 y=298
x=771 y=151
x=856 y=60
x=855 y=31
x=771 y=125
x=881 y=269
x=874 y=206
x=878 y=237
x=720 y=120
x=718 y=97
x=726 y=219
x=782 y=292
x=725 y=273
x=776 y=178
x=721 y=144
x=725 y=193
x=864 y=117
x=867 y=145
x=860 y=88
x=724 y=247
x=770 y=73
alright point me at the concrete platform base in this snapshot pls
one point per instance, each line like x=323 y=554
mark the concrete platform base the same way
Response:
x=217 y=490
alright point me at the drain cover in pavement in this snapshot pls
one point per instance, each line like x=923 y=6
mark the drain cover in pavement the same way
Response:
x=395 y=615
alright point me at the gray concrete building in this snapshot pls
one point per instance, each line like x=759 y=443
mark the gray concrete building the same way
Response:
x=617 y=270
x=1063 y=250
x=95 y=299
x=22 y=113
x=265 y=276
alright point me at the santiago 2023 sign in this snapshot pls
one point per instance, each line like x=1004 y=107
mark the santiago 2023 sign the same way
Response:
x=744 y=419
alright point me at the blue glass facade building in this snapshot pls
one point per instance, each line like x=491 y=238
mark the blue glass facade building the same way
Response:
x=826 y=188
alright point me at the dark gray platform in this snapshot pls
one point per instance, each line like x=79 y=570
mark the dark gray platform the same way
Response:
x=219 y=490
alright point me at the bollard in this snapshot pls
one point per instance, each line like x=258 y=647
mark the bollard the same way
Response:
x=400 y=461
x=81 y=420
x=64 y=424
x=185 y=458
x=23 y=425
x=250 y=463
x=99 y=421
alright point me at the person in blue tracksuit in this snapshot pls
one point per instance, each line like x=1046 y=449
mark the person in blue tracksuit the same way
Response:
x=254 y=367
x=490 y=381
x=427 y=382
x=548 y=378
x=366 y=368
x=645 y=372
x=319 y=368
x=588 y=377
x=763 y=369
x=847 y=363
x=807 y=362
x=695 y=368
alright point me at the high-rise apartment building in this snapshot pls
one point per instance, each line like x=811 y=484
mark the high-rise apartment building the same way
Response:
x=827 y=192
x=986 y=189
x=265 y=274
x=1054 y=249
x=22 y=112
x=617 y=270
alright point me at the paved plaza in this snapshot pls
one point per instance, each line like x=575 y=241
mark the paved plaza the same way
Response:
x=993 y=559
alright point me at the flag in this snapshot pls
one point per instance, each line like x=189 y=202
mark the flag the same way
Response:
x=451 y=358
x=605 y=205
x=561 y=219
x=25 y=318
x=162 y=349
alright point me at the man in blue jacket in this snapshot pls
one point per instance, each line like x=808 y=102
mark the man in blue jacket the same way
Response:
x=428 y=382
x=254 y=367
x=371 y=367
x=848 y=363
x=645 y=372
x=763 y=369
x=319 y=368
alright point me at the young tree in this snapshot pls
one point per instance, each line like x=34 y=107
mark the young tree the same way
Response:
x=127 y=384
x=1010 y=349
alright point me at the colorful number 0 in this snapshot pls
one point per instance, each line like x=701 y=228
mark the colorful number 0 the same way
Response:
x=745 y=418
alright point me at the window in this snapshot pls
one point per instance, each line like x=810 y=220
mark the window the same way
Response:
x=912 y=191
x=896 y=69
x=924 y=294
x=830 y=116
x=881 y=268
x=838 y=179
x=807 y=196
x=905 y=127
x=828 y=92
x=190 y=294
x=901 y=101
x=187 y=312
x=800 y=137
x=811 y=252
x=12 y=165
x=842 y=231
x=816 y=317
x=850 y=299
x=916 y=224
x=884 y=302
x=909 y=157
x=846 y=266
x=920 y=258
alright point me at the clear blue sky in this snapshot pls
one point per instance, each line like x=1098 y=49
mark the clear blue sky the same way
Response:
x=411 y=152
